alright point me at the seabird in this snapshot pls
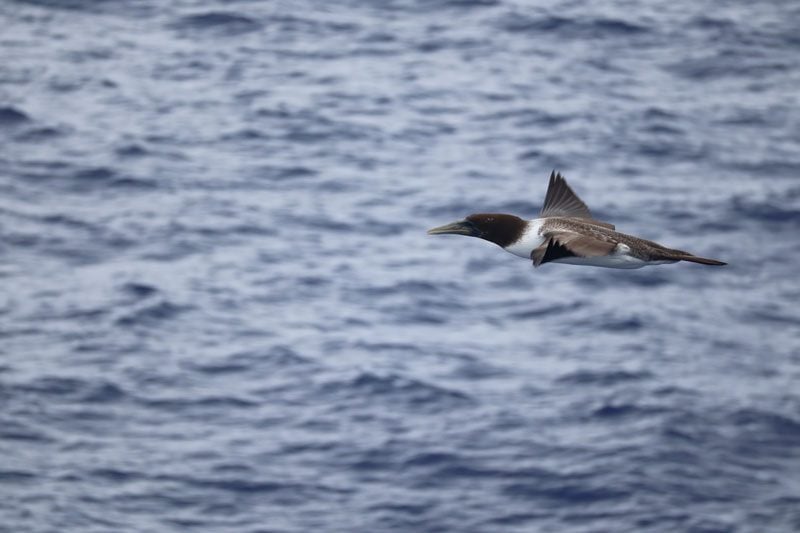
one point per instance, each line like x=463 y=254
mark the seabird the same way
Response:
x=566 y=232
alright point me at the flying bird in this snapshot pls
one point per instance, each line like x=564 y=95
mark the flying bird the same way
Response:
x=566 y=232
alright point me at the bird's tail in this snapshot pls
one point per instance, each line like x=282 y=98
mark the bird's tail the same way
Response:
x=672 y=254
x=702 y=260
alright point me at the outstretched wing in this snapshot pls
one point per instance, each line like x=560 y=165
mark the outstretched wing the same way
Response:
x=561 y=201
x=559 y=245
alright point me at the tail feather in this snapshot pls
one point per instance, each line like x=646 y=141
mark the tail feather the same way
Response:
x=701 y=260
x=673 y=254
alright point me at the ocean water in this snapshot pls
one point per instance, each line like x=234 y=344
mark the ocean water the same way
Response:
x=220 y=310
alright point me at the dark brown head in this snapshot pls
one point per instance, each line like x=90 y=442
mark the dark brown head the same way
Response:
x=494 y=227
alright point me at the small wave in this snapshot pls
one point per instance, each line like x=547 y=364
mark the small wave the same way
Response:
x=625 y=324
x=623 y=409
x=18 y=431
x=516 y=519
x=11 y=116
x=566 y=491
x=663 y=130
x=603 y=377
x=239 y=485
x=310 y=26
x=130 y=182
x=244 y=134
x=242 y=362
x=222 y=368
x=644 y=278
x=412 y=392
x=103 y=393
x=139 y=290
x=478 y=370
x=725 y=65
x=774 y=314
x=525 y=117
x=617 y=323
x=403 y=287
x=55 y=385
x=236 y=485
x=75 y=389
x=92 y=177
x=659 y=113
x=429 y=459
x=547 y=310
x=380 y=37
x=664 y=147
x=709 y=22
x=94 y=174
x=406 y=349
x=313 y=281
x=16 y=476
x=773 y=167
x=765 y=211
x=218 y=23
x=77 y=5
x=115 y=475
x=436 y=5
x=467 y=4
x=326 y=131
x=770 y=426
x=81 y=179
x=39 y=134
x=131 y=150
x=324 y=223
x=277 y=173
x=436 y=45
x=571 y=26
x=151 y=314
x=181 y=404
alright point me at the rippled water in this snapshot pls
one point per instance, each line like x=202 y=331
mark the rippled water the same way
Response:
x=220 y=310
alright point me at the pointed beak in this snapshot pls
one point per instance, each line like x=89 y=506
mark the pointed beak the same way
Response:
x=462 y=227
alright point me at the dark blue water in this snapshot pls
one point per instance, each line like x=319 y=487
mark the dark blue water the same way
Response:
x=220 y=310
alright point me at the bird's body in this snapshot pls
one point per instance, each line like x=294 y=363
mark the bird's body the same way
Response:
x=565 y=232
x=628 y=251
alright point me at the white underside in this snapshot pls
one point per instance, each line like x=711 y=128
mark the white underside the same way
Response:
x=610 y=261
x=619 y=258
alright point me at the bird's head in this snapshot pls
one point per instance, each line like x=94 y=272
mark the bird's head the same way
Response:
x=494 y=227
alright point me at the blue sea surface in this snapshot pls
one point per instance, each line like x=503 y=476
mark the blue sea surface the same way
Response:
x=220 y=311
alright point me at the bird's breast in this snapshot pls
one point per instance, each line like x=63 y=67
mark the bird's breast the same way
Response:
x=528 y=241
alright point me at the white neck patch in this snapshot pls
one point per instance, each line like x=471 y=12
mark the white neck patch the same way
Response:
x=529 y=240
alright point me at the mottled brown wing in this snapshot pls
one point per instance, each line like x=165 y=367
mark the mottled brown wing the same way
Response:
x=561 y=201
x=561 y=245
